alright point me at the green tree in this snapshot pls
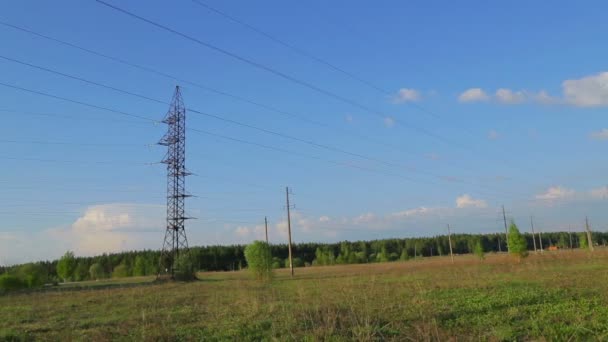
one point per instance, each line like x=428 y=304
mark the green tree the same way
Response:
x=66 y=266
x=582 y=241
x=32 y=275
x=9 y=282
x=516 y=242
x=120 y=271
x=259 y=259
x=383 y=255
x=404 y=256
x=139 y=269
x=478 y=249
x=81 y=272
x=96 y=271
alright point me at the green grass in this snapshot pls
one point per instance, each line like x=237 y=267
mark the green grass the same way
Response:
x=561 y=296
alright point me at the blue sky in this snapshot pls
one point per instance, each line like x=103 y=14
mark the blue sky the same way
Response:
x=480 y=105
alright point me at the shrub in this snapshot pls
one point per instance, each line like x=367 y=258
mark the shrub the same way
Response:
x=32 y=275
x=10 y=282
x=120 y=271
x=297 y=262
x=184 y=268
x=259 y=259
x=96 y=271
x=478 y=250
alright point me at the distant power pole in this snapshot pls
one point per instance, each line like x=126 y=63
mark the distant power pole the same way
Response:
x=266 y=228
x=589 y=240
x=450 y=242
x=533 y=235
x=504 y=217
x=540 y=239
x=289 y=230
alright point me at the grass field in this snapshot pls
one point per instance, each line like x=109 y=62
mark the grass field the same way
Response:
x=556 y=296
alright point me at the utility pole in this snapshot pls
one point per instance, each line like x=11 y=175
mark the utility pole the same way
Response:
x=266 y=228
x=570 y=235
x=540 y=239
x=589 y=240
x=533 y=235
x=450 y=242
x=289 y=230
x=504 y=217
x=499 y=247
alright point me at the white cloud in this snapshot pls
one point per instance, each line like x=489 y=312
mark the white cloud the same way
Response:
x=590 y=91
x=324 y=219
x=493 y=135
x=364 y=218
x=543 y=97
x=507 y=96
x=112 y=228
x=466 y=201
x=556 y=193
x=389 y=122
x=407 y=95
x=600 y=135
x=599 y=193
x=473 y=95
x=415 y=212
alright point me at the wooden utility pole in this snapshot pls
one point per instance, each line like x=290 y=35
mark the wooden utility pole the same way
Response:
x=533 y=235
x=289 y=230
x=450 y=242
x=589 y=240
x=540 y=239
x=266 y=228
x=504 y=217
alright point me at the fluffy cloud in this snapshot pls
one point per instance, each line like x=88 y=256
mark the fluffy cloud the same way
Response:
x=600 y=135
x=324 y=219
x=590 y=91
x=407 y=95
x=466 y=201
x=473 y=95
x=508 y=96
x=556 y=193
x=112 y=228
x=389 y=122
x=415 y=212
x=364 y=218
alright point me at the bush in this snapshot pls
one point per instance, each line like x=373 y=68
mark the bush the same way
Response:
x=66 y=266
x=96 y=271
x=259 y=259
x=478 y=250
x=120 y=271
x=32 y=275
x=10 y=283
x=184 y=268
x=297 y=262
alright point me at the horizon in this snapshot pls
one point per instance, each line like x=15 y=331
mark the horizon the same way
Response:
x=397 y=128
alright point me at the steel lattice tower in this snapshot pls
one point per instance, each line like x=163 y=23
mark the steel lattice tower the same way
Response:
x=175 y=140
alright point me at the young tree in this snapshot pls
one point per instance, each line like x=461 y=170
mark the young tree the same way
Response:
x=582 y=241
x=96 y=271
x=32 y=275
x=66 y=266
x=478 y=249
x=140 y=266
x=120 y=271
x=81 y=272
x=259 y=259
x=517 y=243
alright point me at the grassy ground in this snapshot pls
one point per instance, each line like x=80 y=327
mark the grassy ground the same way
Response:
x=555 y=296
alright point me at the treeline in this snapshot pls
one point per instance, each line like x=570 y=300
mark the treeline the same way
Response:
x=229 y=258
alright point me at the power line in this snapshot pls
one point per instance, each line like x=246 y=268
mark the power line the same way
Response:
x=277 y=73
x=306 y=54
x=44 y=142
x=217 y=117
x=207 y=88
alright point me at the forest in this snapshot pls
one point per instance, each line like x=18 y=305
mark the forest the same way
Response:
x=229 y=258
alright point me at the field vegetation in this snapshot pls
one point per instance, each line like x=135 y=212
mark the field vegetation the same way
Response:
x=550 y=296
